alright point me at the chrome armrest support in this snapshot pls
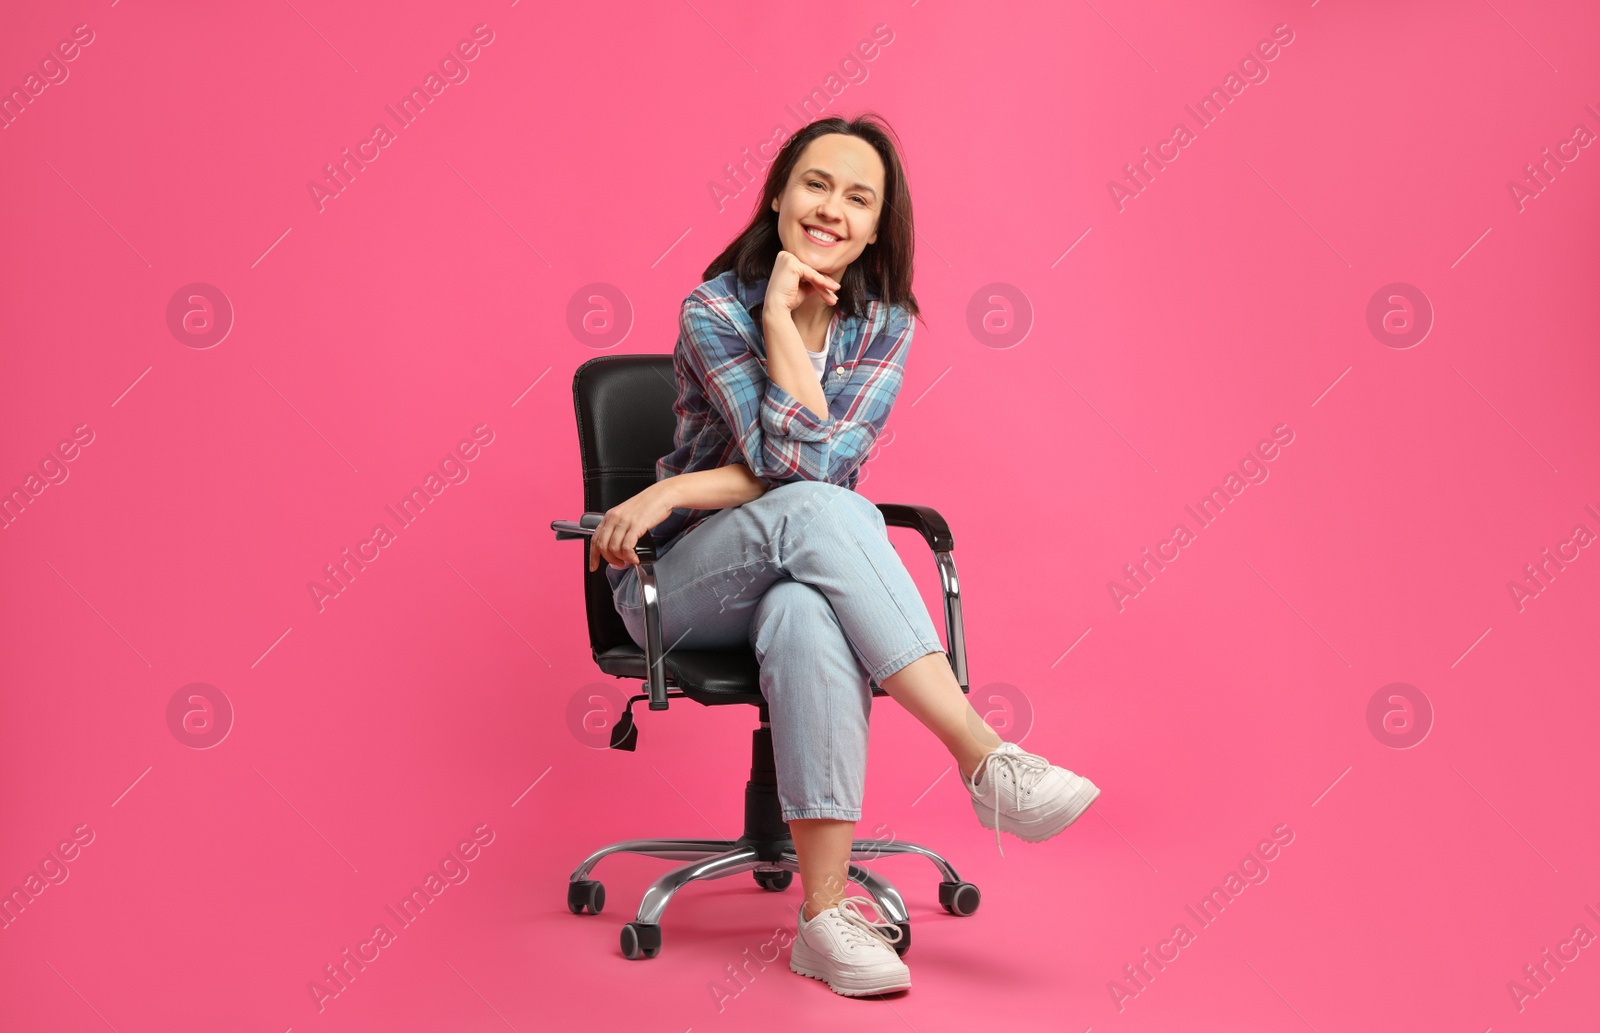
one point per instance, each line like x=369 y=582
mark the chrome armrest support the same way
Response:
x=584 y=528
x=954 y=635
x=926 y=521
x=922 y=518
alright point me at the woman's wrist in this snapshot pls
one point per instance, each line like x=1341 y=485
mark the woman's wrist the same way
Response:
x=668 y=491
x=777 y=317
x=715 y=488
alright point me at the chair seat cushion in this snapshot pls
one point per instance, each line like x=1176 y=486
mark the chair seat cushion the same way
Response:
x=707 y=676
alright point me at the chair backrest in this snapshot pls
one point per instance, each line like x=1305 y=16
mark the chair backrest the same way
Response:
x=625 y=423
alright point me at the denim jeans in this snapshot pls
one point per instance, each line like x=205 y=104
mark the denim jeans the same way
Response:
x=805 y=576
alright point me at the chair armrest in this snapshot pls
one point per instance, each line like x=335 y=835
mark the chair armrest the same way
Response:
x=923 y=519
x=927 y=521
x=645 y=549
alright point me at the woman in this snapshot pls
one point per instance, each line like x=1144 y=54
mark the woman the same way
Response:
x=789 y=359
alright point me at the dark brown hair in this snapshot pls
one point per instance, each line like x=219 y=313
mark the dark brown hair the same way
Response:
x=885 y=264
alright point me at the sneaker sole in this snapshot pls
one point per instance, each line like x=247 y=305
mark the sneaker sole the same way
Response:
x=844 y=985
x=1044 y=828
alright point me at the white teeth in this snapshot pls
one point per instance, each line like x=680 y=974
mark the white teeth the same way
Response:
x=820 y=235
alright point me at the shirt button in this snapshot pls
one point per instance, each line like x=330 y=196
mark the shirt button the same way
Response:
x=839 y=370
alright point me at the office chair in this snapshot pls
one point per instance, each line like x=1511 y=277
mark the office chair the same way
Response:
x=624 y=405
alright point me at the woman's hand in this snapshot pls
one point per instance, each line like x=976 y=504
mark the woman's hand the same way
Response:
x=792 y=282
x=625 y=524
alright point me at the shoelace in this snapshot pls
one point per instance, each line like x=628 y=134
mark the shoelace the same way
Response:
x=859 y=927
x=1026 y=771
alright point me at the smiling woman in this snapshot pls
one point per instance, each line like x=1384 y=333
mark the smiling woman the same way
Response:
x=761 y=541
x=749 y=395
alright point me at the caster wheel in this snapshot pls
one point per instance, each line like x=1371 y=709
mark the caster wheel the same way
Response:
x=905 y=939
x=959 y=898
x=777 y=881
x=640 y=941
x=585 y=894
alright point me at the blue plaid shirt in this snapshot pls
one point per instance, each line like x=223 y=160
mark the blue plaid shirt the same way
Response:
x=730 y=412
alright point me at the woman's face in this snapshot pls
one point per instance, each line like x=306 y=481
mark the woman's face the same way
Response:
x=835 y=190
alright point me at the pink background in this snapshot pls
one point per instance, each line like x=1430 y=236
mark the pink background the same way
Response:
x=431 y=698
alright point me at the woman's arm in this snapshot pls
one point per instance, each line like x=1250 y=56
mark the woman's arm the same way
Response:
x=787 y=365
x=779 y=437
x=720 y=488
x=623 y=525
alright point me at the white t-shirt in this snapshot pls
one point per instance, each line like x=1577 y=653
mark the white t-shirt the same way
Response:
x=819 y=360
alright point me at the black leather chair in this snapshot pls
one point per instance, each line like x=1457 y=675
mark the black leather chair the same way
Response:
x=625 y=422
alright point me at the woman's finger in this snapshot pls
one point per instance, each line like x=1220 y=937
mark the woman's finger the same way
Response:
x=819 y=278
x=788 y=265
x=599 y=540
x=614 y=551
x=804 y=270
x=812 y=285
x=604 y=536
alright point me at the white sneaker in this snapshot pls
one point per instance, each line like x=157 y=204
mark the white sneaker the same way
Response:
x=854 y=955
x=1032 y=798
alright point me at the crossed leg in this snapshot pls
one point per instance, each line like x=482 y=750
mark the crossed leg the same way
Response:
x=819 y=699
x=824 y=599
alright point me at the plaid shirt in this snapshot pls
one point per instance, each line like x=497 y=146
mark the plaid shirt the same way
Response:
x=730 y=412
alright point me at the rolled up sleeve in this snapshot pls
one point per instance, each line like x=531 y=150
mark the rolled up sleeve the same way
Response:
x=781 y=439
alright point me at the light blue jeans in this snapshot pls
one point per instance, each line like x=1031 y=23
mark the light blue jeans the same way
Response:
x=806 y=576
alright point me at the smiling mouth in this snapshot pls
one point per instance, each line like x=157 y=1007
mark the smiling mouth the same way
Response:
x=826 y=239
